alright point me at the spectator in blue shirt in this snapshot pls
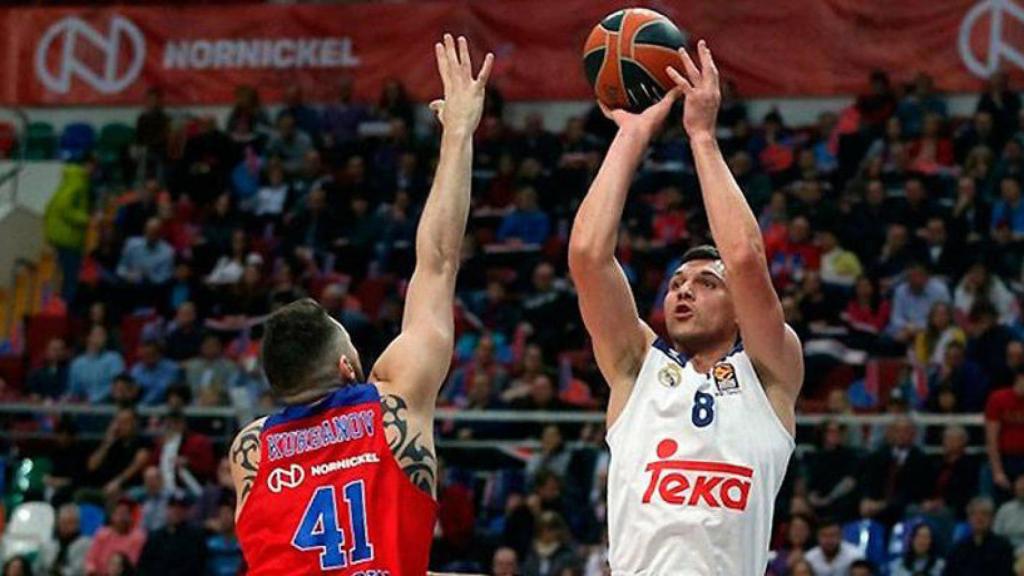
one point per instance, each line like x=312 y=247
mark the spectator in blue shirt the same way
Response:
x=154 y=373
x=912 y=300
x=1010 y=209
x=147 y=259
x=306 y=118
x=918 y=103
x=224 y=554
x=93 y=371
x=526 y=224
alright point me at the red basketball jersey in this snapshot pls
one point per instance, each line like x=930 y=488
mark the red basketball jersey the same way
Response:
x=330 y=497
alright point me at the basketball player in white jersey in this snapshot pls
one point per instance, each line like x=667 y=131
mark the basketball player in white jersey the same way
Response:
x=701 y=425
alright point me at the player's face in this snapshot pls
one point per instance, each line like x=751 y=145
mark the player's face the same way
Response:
x=698 y=308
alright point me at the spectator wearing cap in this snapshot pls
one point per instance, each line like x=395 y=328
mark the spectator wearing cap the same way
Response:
x=210 y=374
x=64 y=554
x=184 y=334
x=50 y=381
x=983 y=552
x=118 y=537
x=177 y=549
x=913 y=300
x=185 y=457
x=1004 y=433
x=120 y=458
x=154 y=373
x=93 y=370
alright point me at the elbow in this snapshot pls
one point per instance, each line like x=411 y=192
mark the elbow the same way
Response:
x=584 y=253
x=746 y=253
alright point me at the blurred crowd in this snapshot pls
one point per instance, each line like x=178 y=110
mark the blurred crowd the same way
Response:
x=893 y=232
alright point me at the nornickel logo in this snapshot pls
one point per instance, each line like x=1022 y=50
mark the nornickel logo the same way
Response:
x=108 y=76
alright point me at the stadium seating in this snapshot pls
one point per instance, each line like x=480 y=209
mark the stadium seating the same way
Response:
x=8 y=139
x=76 y=141
x=31 y=525
x=91 y=518
x=40 y=141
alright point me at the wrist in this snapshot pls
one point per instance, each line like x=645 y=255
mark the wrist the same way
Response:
x=703 y=138
x=456 y=134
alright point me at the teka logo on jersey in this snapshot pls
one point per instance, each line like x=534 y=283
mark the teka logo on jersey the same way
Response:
x=697 y=483
x=281 y=478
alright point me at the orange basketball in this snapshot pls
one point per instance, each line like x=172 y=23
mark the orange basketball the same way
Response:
x=625 y=58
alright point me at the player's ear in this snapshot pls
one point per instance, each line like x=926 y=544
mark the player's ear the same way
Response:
x=347 y=370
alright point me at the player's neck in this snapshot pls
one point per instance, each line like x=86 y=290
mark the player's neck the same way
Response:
x=704 y=358
x=313 y=395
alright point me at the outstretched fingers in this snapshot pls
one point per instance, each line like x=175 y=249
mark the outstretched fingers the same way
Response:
x=442 y=64
x=485 y=70
x=681 y=82
x=707 y=63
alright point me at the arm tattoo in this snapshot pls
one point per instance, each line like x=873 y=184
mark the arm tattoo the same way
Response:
x=416 y=460
x=245 y=454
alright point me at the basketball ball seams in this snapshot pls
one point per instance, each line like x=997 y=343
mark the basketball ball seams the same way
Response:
x=625 y=57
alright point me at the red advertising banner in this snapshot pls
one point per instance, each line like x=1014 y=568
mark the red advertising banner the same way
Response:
x=197 y=55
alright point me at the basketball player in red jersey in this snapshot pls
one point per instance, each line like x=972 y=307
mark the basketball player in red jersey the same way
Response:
x=342 y=480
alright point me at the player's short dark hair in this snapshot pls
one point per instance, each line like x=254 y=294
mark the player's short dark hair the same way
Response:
x=702 y=252
x=299 y=340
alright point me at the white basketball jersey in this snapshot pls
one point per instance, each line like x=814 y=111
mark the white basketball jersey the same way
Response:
x=696 y=463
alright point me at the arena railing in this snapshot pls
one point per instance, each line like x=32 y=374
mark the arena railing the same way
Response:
x=448 y=415
x=9 y=177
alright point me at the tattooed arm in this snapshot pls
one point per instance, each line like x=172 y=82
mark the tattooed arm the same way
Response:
x=245 y=461
x=412 y=369
x=412 y=451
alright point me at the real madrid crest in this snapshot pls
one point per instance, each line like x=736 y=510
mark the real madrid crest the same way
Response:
x=725 y=378
x=670 y=376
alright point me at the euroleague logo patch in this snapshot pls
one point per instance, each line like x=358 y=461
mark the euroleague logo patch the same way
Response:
x=725 y=378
